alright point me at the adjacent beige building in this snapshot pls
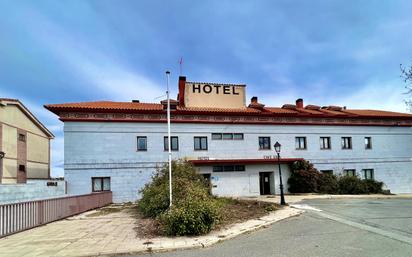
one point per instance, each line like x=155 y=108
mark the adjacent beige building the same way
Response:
x=25 y=142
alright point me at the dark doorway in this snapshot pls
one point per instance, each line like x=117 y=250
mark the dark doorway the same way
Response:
x=264 y=178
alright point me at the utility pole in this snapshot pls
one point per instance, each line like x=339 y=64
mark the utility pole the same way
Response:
x=169 y=139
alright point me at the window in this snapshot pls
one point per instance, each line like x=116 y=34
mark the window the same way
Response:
x=141 y=143
x=350 y=172
x=346 y=143
x=22 y=137
x=368 y=174
x=22 y=168
x=264 y=143
x=200 y=143
x=228 y=168
x=216 y=136
x=325 y=143
x=227 y=136
x=300 y=143
x=174 y=141
x=101 y=184
x=368 y=143
x=330 y=172
x=238 y=136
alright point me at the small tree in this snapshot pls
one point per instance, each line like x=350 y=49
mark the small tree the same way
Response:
x=304 y=178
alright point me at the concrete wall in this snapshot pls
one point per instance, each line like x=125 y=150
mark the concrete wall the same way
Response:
x=96 y=148
x=32 y=190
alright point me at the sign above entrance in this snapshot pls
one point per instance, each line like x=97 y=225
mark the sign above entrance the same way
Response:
x=214 y=95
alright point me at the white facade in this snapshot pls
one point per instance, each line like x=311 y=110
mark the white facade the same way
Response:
x=108 y=149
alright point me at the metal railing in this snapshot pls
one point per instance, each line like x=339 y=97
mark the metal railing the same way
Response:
x=16 y=217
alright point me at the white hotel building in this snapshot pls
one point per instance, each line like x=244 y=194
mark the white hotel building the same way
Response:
x=118 y=145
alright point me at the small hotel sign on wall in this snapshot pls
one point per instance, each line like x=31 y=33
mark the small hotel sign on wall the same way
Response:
x=214 y=95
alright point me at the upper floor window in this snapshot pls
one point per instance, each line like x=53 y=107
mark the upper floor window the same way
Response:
x=200 y=143
x=22 y=137
x=325 y=143
x=227 y=136
x=346 y=143
x=100 y=184
x=22 y=168
x=174 y=142
x=300 y=143
x=141 y=143
x=368 y=174
x=350 y=172
x=368 y=143
x=264 y=143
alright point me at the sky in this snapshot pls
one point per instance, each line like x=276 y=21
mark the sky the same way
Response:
x=327 y=52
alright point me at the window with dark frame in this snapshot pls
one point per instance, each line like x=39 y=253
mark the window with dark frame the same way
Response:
x=325 y=143
x=22 y=168
x=349 y=172
x=329 y=172
x=346 y=143
x=100 y=184
x=368 y=143
x=228 y=168
x=174 y=142
x=217 y=136
x=227 y=136
x=200 y=143
x=141 y=143
x=22 y=137
x=368 y=174
x=264 y=143
x=300 y=143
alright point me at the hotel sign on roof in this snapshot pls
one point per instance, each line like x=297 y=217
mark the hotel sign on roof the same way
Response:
x=198 y=94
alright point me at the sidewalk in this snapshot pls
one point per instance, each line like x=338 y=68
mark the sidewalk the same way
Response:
x=114 y=233
x=290 y=199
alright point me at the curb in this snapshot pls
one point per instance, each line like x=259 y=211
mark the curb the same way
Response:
x=216 y=237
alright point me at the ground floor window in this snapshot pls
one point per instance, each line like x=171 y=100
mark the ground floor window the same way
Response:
x=350 y=172
x=100 y=184
x=368 y=173
x=330 y=172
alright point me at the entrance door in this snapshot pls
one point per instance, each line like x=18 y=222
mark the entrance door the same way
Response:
x=264 y=178
x=208 y=181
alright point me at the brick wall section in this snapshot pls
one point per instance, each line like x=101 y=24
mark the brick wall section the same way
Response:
x=21 y=156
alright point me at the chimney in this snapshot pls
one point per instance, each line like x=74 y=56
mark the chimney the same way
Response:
x=181 y=95
x=299 y=103
x=173 y=104
x=254 y=100
x=255 y=104
x=135 y=101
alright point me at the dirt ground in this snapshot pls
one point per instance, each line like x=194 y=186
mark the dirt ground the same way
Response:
x=232 y=211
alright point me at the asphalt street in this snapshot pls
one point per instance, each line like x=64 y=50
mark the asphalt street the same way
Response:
x=354 y=227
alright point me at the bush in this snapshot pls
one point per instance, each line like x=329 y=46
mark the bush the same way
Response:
x=190 y=218
x=186 y=182
x=327 y=184
x=373 y=186
x=194 y=210
x=304 y=178
x=351 y=185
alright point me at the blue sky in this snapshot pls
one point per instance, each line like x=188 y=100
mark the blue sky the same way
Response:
x=327 y=52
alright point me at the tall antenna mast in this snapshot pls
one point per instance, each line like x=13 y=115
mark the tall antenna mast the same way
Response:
x=181 y=66
x=169 y=139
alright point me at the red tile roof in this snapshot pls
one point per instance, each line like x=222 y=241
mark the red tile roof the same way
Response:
x=133 y=107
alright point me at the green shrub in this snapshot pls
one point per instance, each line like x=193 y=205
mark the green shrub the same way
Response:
x=194 y=210
x=327 y=184
x=373 y=186
x=190 y=217
x=304 y=178
x=186 y=183
x=351 y=185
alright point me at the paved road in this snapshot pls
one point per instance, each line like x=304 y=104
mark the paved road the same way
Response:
x=354 y=228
